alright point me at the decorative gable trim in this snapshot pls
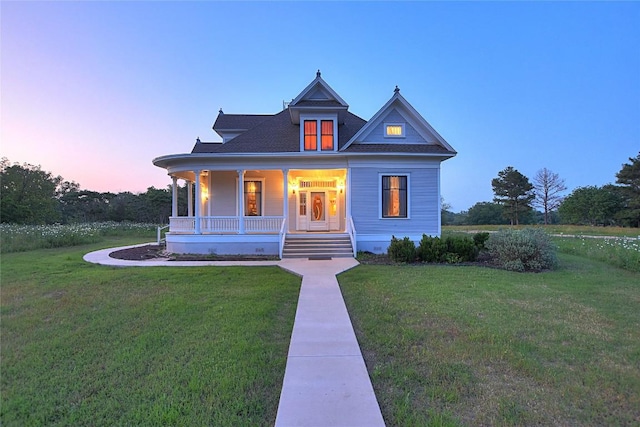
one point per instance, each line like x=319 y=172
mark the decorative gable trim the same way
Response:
x=316 y=90
x=317 y=97
x=413 y=119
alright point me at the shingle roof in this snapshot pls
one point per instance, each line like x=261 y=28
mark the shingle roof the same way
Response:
x=276 y=134
x=238 y=121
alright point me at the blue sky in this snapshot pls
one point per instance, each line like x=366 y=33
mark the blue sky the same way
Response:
x=93 y=91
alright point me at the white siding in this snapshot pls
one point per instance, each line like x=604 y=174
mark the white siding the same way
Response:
x=223 y=193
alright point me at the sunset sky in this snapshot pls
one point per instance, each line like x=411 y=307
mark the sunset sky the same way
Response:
x=93 y=91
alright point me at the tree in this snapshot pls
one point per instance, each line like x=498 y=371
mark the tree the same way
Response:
x=514 y=192
x=29 y=195
x=629 y=180
x=483 y=213
x=591 y=206
x=548 y=187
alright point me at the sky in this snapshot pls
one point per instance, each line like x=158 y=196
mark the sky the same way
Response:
x=93 y=91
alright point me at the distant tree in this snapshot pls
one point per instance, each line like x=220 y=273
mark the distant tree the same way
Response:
x=591 y=206
x=483 y=213
x=629 y=180
x=85 y=206
x=514 y=192
x=29 y=195
x=548 y=188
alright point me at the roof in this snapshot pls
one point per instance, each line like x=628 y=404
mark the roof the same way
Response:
x=238 y=121
x=398 y=148
x=277 y=134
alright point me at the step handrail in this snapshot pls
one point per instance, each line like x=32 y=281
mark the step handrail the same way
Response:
x=282 y=236
x=160 y=233
x=351 y=230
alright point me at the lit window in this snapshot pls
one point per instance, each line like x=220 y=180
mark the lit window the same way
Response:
x=318 y=135
x=310 y=135
x=253 y=198
x=394 y=130
x=394 y=196
x=326 y=136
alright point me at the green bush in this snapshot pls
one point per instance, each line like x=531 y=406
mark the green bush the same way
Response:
x=451 y=249
x=480 y=239
x=530 y=249
x=402 y=250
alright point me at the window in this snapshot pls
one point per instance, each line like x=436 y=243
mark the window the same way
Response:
x=253 y=198
x=318 y=133
x=394 y=196
x=326 y=136
x=310 y=135
x=394 y=130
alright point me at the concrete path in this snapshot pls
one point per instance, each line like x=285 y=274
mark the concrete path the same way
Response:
x=326 y=382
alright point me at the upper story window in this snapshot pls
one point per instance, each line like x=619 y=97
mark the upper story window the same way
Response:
x=318 y=130
x=310 y=135
x=394 y=130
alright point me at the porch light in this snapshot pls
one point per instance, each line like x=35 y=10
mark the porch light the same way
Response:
x=341 y=186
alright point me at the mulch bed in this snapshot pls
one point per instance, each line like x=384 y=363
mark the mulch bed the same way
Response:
x=148 y=252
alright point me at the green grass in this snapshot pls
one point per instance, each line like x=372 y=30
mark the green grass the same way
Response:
x=20 y=238
x=91 y=345
x=579 y=230
x=477 y=346
x=620 y=252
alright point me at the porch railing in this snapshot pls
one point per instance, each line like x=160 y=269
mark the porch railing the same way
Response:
x=225 y=224
x=351 y=230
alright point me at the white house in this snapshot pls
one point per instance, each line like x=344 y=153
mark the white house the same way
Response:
x=311 y=180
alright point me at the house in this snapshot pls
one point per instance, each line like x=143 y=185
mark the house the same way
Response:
x=312 y=179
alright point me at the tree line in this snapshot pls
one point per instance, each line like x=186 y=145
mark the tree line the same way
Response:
x=516 y=199
x=29 y=195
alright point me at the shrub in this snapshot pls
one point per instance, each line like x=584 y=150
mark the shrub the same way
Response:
x=402 y=250
x=431 y=249
x=451 y=249
x=529 y=249
x=480 y=239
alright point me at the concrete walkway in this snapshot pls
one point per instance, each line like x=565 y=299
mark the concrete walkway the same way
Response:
x=326 y=381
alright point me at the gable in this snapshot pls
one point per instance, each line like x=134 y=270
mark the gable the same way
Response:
x=376 y=134
x=412 y=129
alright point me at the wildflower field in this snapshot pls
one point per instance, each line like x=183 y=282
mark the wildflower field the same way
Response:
x=623 y=252
x=20 y=238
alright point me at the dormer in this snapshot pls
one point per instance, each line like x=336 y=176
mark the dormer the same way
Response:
x=316 y=110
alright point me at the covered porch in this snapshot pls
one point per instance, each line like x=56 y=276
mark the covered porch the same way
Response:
x=252 y=211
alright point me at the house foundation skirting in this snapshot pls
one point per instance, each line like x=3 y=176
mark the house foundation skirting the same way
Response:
x=378 y=244
x=248 y=244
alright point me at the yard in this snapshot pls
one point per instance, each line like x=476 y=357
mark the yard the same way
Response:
x=449 y=345
x=92 y=345
x=445 y=345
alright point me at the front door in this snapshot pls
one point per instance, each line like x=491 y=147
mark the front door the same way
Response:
x=318 y=220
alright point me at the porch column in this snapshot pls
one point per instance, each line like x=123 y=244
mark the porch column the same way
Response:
x=347 y=195
x=174 y=196
x=198 y=201
x=240 y=201
x=285 y=200
x=189 y=198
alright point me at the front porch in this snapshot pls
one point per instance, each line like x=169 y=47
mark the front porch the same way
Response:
x=252 y=211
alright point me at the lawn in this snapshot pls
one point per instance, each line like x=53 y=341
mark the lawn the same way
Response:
x=449 y=345
x=91 y=345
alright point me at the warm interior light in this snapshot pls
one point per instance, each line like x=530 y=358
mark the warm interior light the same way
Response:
x=394 y=130
x=252 y=187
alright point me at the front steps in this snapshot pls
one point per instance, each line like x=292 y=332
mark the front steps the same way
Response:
x=317 y=246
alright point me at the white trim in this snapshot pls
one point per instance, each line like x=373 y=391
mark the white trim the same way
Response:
x=318 y=118
x=379 y=184
x=386 y=128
